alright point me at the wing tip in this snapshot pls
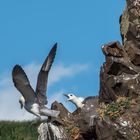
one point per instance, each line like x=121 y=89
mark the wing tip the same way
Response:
x=17 y=68
x=50 y=56
x=54 y=48
x=55 y=45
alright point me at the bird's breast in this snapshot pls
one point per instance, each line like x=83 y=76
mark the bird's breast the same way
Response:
x=35 y=108
x=77 y=102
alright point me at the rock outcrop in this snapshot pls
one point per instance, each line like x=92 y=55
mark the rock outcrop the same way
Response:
x=114 y=114
x=120 y=73
x=50 y=131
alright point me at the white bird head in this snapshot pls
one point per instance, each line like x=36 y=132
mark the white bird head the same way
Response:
x=74 y=99
x=70 y=96
x=22 y=101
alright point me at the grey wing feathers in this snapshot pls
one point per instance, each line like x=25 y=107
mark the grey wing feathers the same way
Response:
x=22 y=83
x=43 y=76
x=49 y=60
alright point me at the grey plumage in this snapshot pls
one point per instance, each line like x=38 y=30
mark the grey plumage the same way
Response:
x=22 y=83
x=42 y=80
x=35 y=101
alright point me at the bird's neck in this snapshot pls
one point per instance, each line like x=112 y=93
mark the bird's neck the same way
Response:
x=77 y=102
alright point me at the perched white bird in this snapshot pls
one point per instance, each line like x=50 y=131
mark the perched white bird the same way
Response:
x=35 y=102
x=78 y=101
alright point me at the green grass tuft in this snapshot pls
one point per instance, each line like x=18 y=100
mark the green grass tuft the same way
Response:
x=18 y=130
x=115 y=109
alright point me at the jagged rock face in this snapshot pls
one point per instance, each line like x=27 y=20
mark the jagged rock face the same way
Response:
x=119 y=75
x=124 y=127
x=130 y=22
x=64 y=112
x=130 y=30
x=54 y=128
x=50 y=131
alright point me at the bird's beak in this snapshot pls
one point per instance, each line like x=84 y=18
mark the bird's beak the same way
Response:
x=21 y=105
x=66 y=95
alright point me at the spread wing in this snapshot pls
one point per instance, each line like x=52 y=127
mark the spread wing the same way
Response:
x=22 y=84
x=43 y=76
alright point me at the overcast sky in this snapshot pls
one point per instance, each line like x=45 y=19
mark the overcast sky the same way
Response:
x=28 y=30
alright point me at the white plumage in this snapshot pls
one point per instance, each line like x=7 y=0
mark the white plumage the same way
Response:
x=78 y=101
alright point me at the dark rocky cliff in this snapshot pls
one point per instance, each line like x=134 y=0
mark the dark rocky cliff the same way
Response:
x=115 y=113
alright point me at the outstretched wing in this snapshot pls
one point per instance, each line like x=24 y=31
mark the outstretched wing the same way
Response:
x=43 y=76
x=22 y=84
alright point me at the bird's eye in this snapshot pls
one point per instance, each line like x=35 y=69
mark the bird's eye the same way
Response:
x=71 y=95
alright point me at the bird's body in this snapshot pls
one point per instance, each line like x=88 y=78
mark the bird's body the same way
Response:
x=35 y=101
x=33 y=108
x=78 y=101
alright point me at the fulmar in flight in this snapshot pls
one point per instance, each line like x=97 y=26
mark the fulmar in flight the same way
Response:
x=35 y=101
